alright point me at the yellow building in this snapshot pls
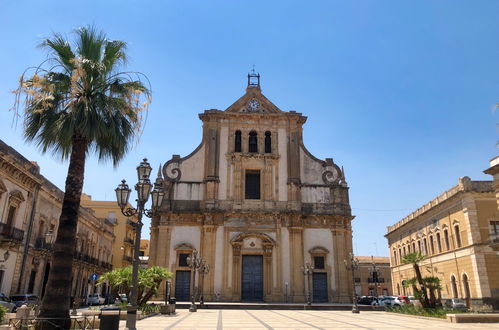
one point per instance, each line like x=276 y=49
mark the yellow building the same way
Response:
x=373 y=277
x=124 y=232
x=454 y=231
x=30 y=206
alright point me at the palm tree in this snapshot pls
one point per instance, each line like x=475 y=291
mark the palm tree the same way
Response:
x=433 y=284
x=415 y=258
x=78 y=102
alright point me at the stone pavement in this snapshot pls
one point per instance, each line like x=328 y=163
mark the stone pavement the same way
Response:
x=293 y=319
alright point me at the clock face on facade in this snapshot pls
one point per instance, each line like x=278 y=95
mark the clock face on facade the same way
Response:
x=253 y=105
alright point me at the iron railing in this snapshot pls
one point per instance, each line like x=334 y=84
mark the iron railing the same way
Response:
x=11 y=233
x=76 y=323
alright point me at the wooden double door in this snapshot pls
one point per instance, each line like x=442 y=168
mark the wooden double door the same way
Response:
x=182 y=285
x=252 y=278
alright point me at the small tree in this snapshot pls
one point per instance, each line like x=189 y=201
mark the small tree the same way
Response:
x=433 y=284
x=149 y=281
x=415 y=258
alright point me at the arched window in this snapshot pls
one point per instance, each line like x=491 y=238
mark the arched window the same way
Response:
x=395 y=257
x=268 y=143
x=454 y=286
x=398 y=289
x=419 y=247
x=446 y=239
x=432 y=245
x=400 y=254
x=413 y=247
x=439 y=243
x=425 y=245
x=253 y=142
x=237 y=141
x=458 y=236
x=466 y=287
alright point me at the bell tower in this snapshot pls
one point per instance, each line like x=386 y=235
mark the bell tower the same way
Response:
x=253 y=79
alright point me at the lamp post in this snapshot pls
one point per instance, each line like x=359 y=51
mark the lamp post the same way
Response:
x=203 y=270
x=308 y=270
x=375 y=269
x=143 y=188
x=47 y=245
x=194 y=262
x=354 y=264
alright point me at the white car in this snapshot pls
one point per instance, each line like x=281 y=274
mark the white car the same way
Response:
x=95 y=299
x=388 y=301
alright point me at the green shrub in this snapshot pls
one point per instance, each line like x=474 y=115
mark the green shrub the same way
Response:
x=147 y=309
x=438 y=312
x=3 y=310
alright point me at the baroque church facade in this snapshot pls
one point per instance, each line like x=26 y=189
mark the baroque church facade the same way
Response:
x=257 y=206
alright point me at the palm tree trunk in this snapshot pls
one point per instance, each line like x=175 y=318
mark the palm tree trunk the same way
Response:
x=56 y=302
x=424 y=294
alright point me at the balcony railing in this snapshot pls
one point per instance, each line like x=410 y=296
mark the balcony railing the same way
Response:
x=40 y=244
x=130 y=223
x=9 y=232
x=128 y=240
x=128 y=259
x=380 y=280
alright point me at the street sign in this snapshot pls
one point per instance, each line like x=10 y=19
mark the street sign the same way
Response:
x=94 y=277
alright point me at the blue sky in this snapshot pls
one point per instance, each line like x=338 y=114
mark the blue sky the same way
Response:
x=401 y=93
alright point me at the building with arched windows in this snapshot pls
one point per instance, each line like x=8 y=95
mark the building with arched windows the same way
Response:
x=257 y=206
x=456 y=233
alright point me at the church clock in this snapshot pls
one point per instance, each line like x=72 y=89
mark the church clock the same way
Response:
x=253 y=105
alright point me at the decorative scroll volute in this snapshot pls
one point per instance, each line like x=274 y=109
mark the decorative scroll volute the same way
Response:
x=171 y=169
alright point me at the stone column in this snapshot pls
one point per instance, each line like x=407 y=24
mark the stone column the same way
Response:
x=236 y=271
x=267 y=268
x=208 y=252
x=296 y=262
x=162 y=252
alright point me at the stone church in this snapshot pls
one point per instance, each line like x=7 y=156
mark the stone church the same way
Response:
x=257 y=206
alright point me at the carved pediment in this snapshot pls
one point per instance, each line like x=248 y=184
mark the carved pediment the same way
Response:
x=253 y=102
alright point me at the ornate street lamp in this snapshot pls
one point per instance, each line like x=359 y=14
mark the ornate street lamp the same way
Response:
x=194 y=262
x=203 y=270
x=143 y=188
x=308 y=270
x=47 y=245
x=375 y=276
x=354 y=264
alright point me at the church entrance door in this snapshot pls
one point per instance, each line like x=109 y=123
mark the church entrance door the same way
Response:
x=319 y=287
x=252 y=278
x=182 y=285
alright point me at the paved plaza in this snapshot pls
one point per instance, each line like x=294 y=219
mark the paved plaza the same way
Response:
x=292 y=319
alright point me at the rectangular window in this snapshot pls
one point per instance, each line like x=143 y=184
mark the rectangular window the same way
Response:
x=11 y=215
x=319 y=262
x=31 y=285
x=439 y=243
x=494 y=228
x=252 y=185
x=2 y=272
x=182 y=259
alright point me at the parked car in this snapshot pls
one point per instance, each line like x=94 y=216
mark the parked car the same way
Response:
x=413 y=300
x=123 y=297
x=24 y=299
x=95 y=299
x=455 y=303
x=365 y=300
x=7 y=303
x=389 y=301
